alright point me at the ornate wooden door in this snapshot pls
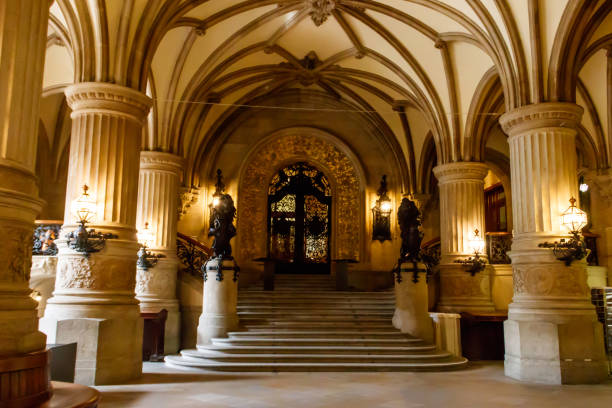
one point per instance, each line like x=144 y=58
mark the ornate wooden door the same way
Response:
x=299 y=220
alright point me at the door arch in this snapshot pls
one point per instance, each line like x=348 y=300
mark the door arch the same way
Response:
x=299 y=219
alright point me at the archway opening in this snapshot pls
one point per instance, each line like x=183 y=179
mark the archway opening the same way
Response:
x=299 y=220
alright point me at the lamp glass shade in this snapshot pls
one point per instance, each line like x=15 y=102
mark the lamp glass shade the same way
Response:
x=476 y=243
x=574 y=219
x=146 y=236
x=84 y=208
x=385 y=207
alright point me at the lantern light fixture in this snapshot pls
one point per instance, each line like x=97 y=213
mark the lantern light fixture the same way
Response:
x=146 y=238
x=584 y=187
x=573 y=219
x=83 y=240
x=381 y=213
x=476 y=263
x=84 y=208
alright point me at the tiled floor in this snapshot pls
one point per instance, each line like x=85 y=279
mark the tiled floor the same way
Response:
x=481 y=385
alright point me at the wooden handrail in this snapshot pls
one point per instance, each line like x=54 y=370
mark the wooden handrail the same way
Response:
x=195 y=243
x=431 y=242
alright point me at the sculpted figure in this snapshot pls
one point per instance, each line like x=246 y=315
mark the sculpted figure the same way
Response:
x=409 y=219
x=222 y=227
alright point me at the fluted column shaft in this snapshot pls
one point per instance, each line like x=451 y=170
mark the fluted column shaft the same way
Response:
x=98 y=290
x=461 y=206
x=461 y=212
x=552 y=334
x=158 y=192
x=23 y=29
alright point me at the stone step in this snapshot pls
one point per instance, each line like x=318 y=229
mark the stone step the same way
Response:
x=230 y=348
x=314 y=294
x=307 y=357
x=249 y=321
x=316 y=314
x=313 y=341
x=447 y=364
x=319 y=326
x=314 y=308
x=299 y=301
x=355 y=334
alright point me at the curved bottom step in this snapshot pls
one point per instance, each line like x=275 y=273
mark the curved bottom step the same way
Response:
x=181 y=362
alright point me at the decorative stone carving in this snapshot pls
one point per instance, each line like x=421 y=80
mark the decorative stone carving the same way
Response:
x=96 y=273
x=548 y=280
x=16 y=249
x=321 y=10
x=253 y=192
x=187 y=197
x=463 y=285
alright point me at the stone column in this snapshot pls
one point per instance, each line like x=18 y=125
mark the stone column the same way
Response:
x=158 y=192
x=23 y=31
x=552 y=334
x=94 y=303
x=461 y=212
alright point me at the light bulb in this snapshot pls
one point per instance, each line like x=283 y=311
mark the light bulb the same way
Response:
x=385 y=206
x=584 y=187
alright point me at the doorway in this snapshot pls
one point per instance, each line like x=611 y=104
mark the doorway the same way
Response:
x=299 y=220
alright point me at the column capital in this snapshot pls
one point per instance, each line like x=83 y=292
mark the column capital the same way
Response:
x=541 y=115
x=161 y=161
x=460 y=171
x=102 y=97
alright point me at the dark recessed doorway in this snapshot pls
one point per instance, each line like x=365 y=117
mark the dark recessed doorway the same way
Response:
x=299 y=220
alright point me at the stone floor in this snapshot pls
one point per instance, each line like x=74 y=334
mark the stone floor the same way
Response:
x=481 y=385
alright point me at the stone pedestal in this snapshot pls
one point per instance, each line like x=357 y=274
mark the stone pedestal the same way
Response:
x=447 y=332
x=158 y=191
x=461 y=212
x=156 y=290
x=93 y=303
x=219 y=314
x=411 y=305
x=552 y=334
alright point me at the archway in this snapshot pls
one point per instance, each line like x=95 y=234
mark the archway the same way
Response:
x=317 y=149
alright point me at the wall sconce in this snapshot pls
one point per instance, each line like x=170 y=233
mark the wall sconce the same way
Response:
x=574 y=220
x=147 y=259
x=381 y=228
x=474 y=264
x=82 y=240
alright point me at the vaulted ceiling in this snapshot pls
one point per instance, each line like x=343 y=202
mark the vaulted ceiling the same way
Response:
x=443 y=69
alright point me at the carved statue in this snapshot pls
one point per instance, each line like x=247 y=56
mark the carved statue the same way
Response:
x=222 y=227
x=409 y=219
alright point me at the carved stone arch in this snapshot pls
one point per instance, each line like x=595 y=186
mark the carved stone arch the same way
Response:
x=321 y=150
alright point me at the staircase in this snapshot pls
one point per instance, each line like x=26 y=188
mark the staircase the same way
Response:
x=305 y=325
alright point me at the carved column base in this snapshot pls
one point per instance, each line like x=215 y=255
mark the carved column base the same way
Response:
x=411 y=305
x=156 y=290
x=462 y=292
x=219 y=307
x=94 y=306
x=552 y=334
